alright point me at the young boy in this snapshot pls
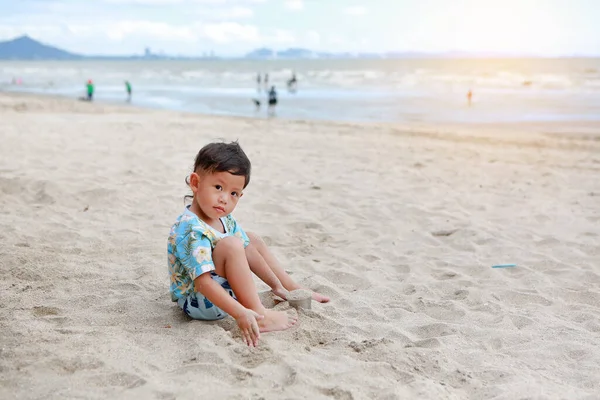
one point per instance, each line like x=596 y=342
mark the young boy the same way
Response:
x=211 y=258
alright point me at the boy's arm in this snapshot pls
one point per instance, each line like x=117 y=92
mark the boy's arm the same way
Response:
x=245 y=318
x=194 y=252
x=218 y=296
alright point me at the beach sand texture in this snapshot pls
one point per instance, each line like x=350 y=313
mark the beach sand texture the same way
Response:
x=399 y=225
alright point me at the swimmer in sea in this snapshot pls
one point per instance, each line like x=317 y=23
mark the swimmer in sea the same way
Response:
x=272 y=100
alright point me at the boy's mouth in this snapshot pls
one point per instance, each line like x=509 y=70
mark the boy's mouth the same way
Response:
x=220 y=209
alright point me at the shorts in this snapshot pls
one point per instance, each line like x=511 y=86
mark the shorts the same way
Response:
x=272 y=102
x=199 y=307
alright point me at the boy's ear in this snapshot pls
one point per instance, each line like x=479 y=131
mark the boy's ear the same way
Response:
x=241 y=195
x=194 y=181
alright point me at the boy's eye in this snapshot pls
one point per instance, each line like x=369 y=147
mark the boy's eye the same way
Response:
x=234 y=194
x=218 y=187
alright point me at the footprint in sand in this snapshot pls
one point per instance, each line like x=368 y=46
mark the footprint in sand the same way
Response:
x=460 y=294
x=433 y=330
x=262 y=361
x=205 y=356
x=370 y=258
x=119 y=379
x=444 y=311
x=252 y=358
x=348 y=279
x=445 y=275
x=518 y=298
x=337 y=393
x=316 y=338
x=409 y=289
x=401 y=268
x=51 y=314
x=520 y=322
x=367 y=344
x=42 y=311
x=74 y=365
x=431 y=343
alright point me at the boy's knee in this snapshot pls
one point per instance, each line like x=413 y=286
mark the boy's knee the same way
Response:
x=230 y=243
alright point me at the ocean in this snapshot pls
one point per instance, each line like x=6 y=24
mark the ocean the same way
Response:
x=406 y=90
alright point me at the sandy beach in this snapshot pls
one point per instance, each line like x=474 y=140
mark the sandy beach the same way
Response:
x=400 y=225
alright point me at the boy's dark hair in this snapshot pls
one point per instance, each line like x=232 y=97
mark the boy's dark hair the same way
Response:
x=223 y=157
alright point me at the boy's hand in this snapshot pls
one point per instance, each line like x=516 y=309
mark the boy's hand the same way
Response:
x=247 y=321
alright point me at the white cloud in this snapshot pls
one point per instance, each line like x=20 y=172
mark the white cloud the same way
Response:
x=355 y=10
x=282 y=36
x=226 y=27
x=164 y=2
x=38 y=32
x=185 y=2
x=227 y=32
x=124 y=29
x=313 y=37
x=131 y=36
x=294 y=4
x=336 y=40
x=235 y=13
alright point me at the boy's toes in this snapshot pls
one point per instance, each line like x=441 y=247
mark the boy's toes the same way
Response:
x=292 y=318
x=321 y=298
x=281 y=292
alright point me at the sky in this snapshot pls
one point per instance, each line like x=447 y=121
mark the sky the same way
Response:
x=234 y=27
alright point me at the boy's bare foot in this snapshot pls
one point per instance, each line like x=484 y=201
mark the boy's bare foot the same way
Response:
x=281 y=292
x=321 y=298
x=276 y=321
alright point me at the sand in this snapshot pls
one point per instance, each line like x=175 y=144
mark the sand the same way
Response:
x=400 y=225
x=299 y=294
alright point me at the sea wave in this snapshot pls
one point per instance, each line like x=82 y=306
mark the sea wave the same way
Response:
x=372 y=89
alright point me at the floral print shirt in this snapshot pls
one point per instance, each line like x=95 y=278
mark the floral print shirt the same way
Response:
x=190 y=247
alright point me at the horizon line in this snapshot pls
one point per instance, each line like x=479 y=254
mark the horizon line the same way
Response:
x=457 y=54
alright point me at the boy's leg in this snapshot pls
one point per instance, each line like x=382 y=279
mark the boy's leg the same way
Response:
x=269 y=259
x=259 y=266
x=230 y=263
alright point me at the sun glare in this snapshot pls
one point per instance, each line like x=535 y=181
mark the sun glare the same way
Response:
x=491 y=26
x=507 y=26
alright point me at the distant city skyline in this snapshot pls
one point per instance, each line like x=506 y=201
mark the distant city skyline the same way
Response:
x=234 y=27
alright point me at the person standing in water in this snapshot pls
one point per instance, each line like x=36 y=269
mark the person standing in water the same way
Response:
x=292 y=83
x=470 y=97
x=258 y=82
x=128 y=88
x=266 y=82
x=272 y=101
x=90 y=90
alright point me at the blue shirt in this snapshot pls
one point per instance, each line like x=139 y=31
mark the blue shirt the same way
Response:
x=190 y=247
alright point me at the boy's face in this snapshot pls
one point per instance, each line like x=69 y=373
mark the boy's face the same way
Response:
x=217 y=194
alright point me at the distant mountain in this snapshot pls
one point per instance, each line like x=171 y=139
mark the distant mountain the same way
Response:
x=25 y=48
x=296 y=53
x=262 y=53
x=265 y=53
x=300 y=53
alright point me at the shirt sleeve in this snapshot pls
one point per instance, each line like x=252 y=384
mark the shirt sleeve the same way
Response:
x=236 y=230
x=195 y=254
